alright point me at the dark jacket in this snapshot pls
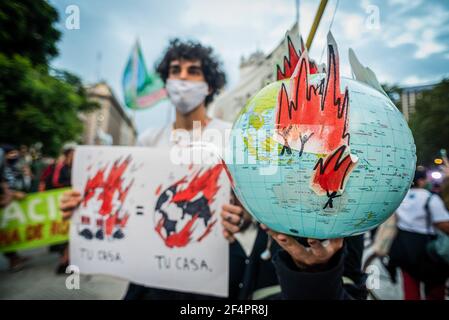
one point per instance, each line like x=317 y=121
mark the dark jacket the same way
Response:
x=340 y=279
x=409 y=252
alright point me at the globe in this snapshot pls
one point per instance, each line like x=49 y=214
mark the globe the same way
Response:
x=290 y=188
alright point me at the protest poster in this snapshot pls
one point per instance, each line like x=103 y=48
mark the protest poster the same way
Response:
x=32 y=222
x=149 y=220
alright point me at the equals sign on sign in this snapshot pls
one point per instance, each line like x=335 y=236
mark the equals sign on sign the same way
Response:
x=139 y=210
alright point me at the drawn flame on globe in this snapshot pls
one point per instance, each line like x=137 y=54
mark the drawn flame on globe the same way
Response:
x=314 y=118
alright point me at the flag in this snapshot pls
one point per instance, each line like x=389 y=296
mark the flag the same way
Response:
x=141 y=89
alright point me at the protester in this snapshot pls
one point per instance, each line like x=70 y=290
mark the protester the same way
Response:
x=59 y=175
x=193 y=76
x=420 y=214
x=445 y=184
x=17 y=172
x=6 y=195
x=13 y=187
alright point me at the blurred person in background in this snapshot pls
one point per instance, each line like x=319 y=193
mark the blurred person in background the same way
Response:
x=17 y=172
x=25 y=156
x=436 y=189
x=6 y=195
x=64 y=179
x=59 y=175
x=419 y=215
x=13 y=186
x=38 y=165
x=445 y=184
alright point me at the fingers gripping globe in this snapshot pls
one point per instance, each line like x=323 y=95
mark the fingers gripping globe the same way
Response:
x=318 y=155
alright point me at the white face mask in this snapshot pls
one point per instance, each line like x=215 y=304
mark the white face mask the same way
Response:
x=186 y=95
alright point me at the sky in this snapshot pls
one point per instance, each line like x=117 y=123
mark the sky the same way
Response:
x=404 y=42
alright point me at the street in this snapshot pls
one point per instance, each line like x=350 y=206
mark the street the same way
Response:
x=39 y=281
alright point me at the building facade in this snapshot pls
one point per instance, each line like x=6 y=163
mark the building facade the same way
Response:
x=109 y=125
x=409 y=96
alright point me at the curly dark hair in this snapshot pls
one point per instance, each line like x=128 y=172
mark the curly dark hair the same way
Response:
x=190 y=50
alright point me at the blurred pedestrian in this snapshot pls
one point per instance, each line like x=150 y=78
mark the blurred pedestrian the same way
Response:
x=16 y=172
x=418 y=217
x=38 y=165
x=59 y=175
x=11 y=188
x=6 y=195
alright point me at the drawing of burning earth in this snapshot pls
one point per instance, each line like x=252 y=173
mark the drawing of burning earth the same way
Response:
x=183 y=211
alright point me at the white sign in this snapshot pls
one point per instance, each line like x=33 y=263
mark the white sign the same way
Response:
x=150 y=221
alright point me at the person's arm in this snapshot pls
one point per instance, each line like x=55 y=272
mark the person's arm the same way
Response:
x=234 y=219
x=443 y=226
x=313 y=272
x=70 y=200
x=320 y=282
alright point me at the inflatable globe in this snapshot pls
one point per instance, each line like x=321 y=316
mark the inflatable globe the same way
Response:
x=319 y=156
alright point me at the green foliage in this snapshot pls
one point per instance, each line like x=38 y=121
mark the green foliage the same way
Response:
x=38 y=107
x=430 y=122
x=37 y=104
x=26 y=29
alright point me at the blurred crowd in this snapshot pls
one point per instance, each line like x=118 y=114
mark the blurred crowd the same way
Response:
x=25 y=170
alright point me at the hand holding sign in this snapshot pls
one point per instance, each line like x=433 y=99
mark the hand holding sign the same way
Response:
x=70 y=200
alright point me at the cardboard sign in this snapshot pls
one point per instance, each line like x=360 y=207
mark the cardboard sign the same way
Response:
x=149 y=220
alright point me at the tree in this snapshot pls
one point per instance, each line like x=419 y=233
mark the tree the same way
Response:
x=430 y=122
x=27 y=29
x=37 y=104
x=38 y=107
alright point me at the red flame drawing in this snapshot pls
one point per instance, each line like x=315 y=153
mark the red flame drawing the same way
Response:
x=110 y=185
x=291 y=61
x=206 y=182
x=319 y=112
x=194 y=200
x=314 y=118
x=331 y=173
